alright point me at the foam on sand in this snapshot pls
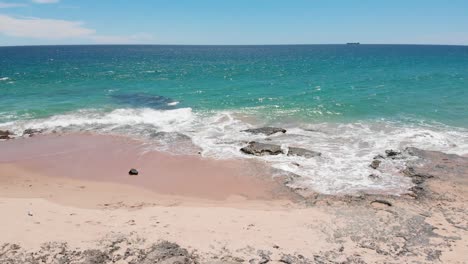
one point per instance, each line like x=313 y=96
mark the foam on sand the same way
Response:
x=347 y=148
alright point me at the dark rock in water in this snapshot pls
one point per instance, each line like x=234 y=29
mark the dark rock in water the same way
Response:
x=170 y=136
x=133 y=172
x=392 y=153
x=374 y=176
x=30 y=132
x=375 y=164
x=265 y=130
x=145 y=100
x=303 y=152
x=260 y=149
x=379 y=157
x=5 y=134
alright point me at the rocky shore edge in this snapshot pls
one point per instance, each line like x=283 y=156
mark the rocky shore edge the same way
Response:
x=418 y=226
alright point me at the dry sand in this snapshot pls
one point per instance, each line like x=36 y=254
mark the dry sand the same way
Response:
x=75 y=189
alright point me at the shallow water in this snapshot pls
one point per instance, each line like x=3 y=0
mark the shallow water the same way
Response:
x=348 y=102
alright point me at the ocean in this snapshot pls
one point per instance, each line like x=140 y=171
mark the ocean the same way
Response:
x=349 y=102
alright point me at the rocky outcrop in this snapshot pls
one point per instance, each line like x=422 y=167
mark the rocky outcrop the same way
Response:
x=261 y=149
x=265 y=130
x=31 y=132
x=167 y=252
x=133 y=172
x=170 y=136
x=293 y=151
x=5 y=134
x=436 y=164
x=163 y=252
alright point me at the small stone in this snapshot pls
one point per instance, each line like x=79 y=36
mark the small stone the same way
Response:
x=133 y=172
x=265 y=130
x=375 y=164
x=381 y=202
x=30 y=213
x=392 y=153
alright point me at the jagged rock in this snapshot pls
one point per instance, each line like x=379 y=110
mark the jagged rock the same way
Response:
x=133 y=172
x=264 y=256
x=288 y=259
x=375 y=164
x=170 y=136
x=293 y=151
x=265 y=130
x=260 y=149
x=299 y=259
x=392 y=153
x=94 y=256
x=31 y=132
x=168 y=253
x=5 y=134
x=379 y=157
x=436 y=164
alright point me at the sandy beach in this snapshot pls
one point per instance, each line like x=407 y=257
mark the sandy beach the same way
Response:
x=69 y=199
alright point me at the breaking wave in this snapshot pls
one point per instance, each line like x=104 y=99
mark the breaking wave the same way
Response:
x=347 y=148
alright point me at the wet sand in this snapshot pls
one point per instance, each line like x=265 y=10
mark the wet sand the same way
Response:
x=109 y=159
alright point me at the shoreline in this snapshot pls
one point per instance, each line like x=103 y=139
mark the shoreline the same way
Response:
x=109 y=158
x=64 y=205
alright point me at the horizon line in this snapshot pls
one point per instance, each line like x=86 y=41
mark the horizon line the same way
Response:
x=310 y=44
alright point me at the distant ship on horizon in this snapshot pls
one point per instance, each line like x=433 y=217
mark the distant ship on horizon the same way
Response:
x=353 y=43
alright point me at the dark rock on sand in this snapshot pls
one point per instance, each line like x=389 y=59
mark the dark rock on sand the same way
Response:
x=133 y=172
x=298 y=259
x=381 y=202
x=436 y=164
x=293 y=151
x=5 y=134
x=167 y=252
x=94 y=256
x=265 y=130
x=261 y=149
x=375 y=164
x=31 y=132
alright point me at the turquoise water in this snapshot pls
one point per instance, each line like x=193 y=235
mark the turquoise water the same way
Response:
x=314 y=83
x=349 y=102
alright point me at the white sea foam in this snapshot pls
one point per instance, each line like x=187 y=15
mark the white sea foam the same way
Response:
x=173 y=103
x=4 y=78
x=347 y=149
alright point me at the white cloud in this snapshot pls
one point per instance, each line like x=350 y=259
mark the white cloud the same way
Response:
x=42 y=28
x=46 y=1
x=11 y=5
x=56 y=29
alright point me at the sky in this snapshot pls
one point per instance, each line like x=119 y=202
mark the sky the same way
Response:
x=233 y=22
